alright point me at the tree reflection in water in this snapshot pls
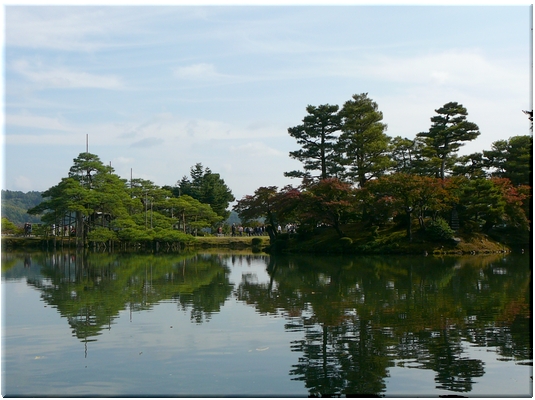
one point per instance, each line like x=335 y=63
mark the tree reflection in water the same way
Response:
x=361 y=316
x=91 y=289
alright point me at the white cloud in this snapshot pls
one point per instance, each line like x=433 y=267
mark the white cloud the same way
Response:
x=36 y=121
x=26 y=27
x=64 y=78
x=186 y=131
x=159 y=129
x=234 y=84
x=53 y=139
x=148 y=142
x=468 y=68
x=123 y=160
x=197 y=71
x=257 y=149
x=65 y=28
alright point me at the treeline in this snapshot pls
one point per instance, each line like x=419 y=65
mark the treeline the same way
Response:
x=93 y=204
x=354 y=172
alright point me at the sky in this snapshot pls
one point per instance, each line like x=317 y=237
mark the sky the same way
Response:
x=157 y=89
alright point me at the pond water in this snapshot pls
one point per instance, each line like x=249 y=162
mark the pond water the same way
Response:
x=243 y=324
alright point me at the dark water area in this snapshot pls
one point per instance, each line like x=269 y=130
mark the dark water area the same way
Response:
x=243 y=324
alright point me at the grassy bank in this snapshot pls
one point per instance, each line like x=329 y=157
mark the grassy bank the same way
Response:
x=357 y=240
x=230 y=242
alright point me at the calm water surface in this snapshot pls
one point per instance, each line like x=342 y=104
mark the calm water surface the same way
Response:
x=212 y=324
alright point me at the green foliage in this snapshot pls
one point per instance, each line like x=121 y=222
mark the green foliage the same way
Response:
x=402 y=153
x=256 y=241
x=482 y=205
x=317 y=137
x=101 y=235
x=152 y=219
x=208 y=188
x=449 y=129
x=363 y=141
x=86 y=166
x=362 y=176
x=471 y=166
x=511 y=159
x=134 y=235
x=105 y=207
x=9 y=227
x=190 y=214
x=438 y=230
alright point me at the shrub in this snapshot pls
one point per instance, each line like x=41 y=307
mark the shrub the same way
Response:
x=101 y=235
x=10 y=227
x=439 y=230
x=256 y=242
x=172 y=235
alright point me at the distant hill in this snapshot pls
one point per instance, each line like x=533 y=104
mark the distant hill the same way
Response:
x=233 y=218
x=16 y=204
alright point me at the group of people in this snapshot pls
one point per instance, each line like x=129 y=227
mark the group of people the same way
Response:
x=27 y=229
x=260 y=230
x=238 y=230
x=66 y=230
x=289 y=228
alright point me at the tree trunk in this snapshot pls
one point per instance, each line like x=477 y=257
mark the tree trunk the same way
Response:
x=80 y=239
x=272 y=232
x=409 y=228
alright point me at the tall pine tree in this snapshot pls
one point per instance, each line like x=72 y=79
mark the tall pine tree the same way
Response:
x=317 y=136
x=363 y=140
x=448 y=131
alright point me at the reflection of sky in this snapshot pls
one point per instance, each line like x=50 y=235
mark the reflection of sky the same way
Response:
x=512 y=381
x=155 y=352
x=20 y=271
x=161 y=352
x=246 y=265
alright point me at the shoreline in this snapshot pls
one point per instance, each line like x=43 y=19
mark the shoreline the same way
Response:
x=478 y=246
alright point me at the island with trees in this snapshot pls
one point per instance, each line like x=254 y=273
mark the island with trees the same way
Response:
x=360 y=192
x=365 y=192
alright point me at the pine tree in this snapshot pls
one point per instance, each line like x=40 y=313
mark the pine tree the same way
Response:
x=448 y=131
x=363 y=140
x=317 y=138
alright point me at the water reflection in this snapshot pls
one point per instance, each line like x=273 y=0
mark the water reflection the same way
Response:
x=91 y=289
x=361 y=316
x=357 y=317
